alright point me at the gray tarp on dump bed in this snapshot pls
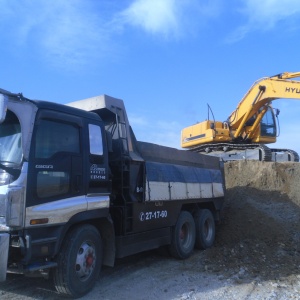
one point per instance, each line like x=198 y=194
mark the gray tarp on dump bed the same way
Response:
x=178 y=174
x=157 y=153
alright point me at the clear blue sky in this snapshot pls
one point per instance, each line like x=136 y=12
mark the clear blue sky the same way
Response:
x=165 y=58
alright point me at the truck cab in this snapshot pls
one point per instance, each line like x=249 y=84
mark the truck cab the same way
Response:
x=54 y=173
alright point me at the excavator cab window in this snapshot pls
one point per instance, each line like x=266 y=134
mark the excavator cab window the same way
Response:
x=267 y=124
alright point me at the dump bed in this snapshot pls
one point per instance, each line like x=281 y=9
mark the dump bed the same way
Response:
x=170 y=174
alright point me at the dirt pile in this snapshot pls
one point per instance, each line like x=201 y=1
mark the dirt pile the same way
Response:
x=265 y=176
x=258 y=239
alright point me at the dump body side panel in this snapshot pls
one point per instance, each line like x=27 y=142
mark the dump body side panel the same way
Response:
x=173 y=174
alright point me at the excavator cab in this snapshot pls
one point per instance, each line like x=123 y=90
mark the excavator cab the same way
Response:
x=268 y=125
x=266 y=132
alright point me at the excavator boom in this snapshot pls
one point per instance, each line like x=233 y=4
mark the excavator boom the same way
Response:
x=287 y=75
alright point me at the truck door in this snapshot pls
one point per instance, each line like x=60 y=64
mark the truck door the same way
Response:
x=56 y=159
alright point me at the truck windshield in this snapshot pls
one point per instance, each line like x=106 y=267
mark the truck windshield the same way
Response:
x=10 y=140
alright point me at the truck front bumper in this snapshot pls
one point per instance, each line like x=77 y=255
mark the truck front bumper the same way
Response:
x=4 y=246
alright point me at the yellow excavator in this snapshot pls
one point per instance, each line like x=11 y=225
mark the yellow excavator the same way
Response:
x=249 y=127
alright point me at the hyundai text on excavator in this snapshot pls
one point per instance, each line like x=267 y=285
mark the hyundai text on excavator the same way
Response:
x=249 y=127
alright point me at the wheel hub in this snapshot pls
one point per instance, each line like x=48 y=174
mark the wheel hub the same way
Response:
x=85 y=261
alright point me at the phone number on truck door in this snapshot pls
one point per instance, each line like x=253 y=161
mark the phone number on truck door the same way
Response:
x=151 y=215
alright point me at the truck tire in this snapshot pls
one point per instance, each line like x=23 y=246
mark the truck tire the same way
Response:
x=79 y=262
x=183 y=236
x=205 y=229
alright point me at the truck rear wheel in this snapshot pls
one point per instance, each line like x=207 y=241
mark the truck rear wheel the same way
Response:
x=79 y=262
x=183 y=236
x=205 y=229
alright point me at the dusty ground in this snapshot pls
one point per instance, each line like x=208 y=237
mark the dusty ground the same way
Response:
x=256 y=254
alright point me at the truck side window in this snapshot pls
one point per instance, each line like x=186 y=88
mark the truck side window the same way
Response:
x=95 y=136
x=53 y=137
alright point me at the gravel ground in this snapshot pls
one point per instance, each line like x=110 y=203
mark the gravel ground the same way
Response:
x=256 y=254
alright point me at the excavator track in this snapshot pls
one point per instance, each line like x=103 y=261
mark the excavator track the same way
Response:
x=230 y=151
x=290 y=155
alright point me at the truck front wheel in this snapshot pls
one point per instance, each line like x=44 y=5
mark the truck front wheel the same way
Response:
x=79 y=262
x=183 y=236
x=205 y=229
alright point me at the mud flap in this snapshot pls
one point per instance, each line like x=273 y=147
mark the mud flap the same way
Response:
x=4 y=245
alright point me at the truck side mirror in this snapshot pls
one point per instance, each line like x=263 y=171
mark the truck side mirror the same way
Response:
x=3 y=107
